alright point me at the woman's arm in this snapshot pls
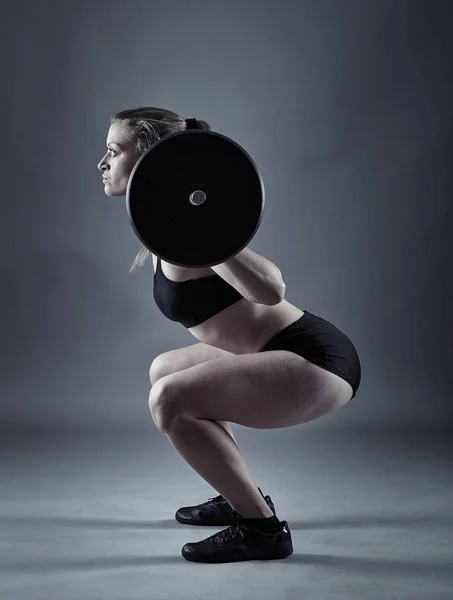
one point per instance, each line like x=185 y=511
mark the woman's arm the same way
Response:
x=255 y=277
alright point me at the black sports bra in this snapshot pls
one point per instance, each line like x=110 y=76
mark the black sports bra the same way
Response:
x=194 y=301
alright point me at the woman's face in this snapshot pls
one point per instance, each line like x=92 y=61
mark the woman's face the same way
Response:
x=119 y=160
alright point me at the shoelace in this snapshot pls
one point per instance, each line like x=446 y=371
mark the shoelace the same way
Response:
x=233 y=531
x=217 y=499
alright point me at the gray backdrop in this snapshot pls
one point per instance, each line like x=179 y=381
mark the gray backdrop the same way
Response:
x=345 y=107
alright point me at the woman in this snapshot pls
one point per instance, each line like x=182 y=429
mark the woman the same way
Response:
x=260 y=362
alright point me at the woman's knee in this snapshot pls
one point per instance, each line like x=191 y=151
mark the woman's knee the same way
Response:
x=158 y=369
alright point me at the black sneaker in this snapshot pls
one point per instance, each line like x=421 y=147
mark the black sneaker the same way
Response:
x=216 y=511
x=240 y=542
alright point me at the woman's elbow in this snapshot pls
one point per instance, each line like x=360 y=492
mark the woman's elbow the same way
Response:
x=277 y=295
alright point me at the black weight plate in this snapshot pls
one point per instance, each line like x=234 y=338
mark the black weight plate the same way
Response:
x=169 y=225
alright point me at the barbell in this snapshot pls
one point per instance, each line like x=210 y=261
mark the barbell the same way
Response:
x=195 y=198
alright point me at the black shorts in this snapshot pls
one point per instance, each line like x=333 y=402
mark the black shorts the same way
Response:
x=321 y=343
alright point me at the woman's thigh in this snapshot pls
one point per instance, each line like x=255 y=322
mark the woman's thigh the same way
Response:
x=183 y=358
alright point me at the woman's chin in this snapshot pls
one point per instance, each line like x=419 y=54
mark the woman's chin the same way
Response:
x=109 y=190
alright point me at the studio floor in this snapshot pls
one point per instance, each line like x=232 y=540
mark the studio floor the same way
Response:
x=87 y=516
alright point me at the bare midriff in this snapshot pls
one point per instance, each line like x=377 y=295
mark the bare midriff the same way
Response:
x=243 y=327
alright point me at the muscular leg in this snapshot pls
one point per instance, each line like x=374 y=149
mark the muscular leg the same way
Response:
x=267 y=390
x=183 y=358
x=227 y=428
x=180 y=359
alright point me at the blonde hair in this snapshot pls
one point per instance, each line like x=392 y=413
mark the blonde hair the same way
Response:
x=147 y=125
